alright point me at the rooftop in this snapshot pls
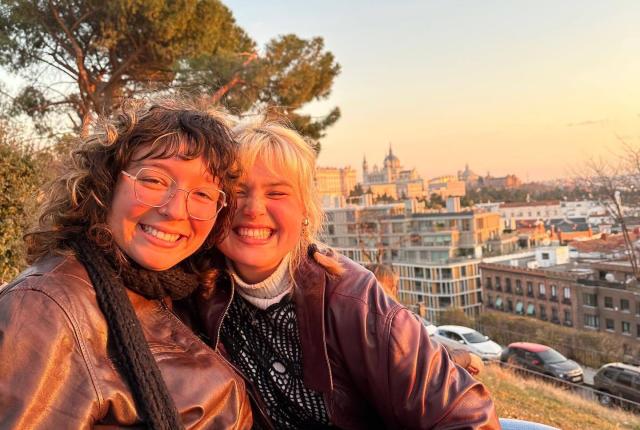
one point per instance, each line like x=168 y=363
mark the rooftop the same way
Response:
x=528 y=346
x=530 y=204
x=605 y=244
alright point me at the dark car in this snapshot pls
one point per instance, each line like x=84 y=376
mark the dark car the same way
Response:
x=617 y=379
x=542 y=359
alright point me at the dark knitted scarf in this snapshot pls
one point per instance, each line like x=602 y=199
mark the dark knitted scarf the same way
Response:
x=110 y=281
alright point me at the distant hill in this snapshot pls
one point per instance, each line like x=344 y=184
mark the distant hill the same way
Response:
x=535 y=400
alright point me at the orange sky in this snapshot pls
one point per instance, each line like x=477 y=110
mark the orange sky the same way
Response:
x=530 y=88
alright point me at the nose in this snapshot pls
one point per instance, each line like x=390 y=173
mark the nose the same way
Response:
x=251 y=205
x=176 y=207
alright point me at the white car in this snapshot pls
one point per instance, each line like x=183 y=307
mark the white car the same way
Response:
x=459 y=337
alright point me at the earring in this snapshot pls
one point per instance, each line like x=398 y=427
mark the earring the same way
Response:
x=305 y=222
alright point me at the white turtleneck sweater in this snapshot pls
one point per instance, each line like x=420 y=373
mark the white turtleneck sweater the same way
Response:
x=268 y=292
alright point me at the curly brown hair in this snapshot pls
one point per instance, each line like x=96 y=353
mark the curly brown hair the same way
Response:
x=78 y=200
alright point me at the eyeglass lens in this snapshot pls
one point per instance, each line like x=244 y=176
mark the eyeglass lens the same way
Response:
x=155 y=188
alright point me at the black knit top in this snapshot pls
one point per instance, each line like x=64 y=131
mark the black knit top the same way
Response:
x=265 y=346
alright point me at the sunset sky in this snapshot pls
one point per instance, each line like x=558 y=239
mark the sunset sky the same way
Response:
x=525 y=87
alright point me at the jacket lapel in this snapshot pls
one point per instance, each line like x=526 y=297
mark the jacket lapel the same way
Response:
x=213 y=308
x=309 y=293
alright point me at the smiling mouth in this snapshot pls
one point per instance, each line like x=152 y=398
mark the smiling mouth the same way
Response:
x=254 y=233
x=167 y=237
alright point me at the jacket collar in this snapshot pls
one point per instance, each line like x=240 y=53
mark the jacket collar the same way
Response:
x=309 y=294
x=213 y=306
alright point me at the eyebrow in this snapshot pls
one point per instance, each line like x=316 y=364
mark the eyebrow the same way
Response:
x=152 y=163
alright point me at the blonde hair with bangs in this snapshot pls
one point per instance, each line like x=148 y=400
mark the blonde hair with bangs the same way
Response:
x=284 y=151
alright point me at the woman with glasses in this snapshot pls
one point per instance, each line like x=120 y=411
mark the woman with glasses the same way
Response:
x=320 y=343
x=88 y=334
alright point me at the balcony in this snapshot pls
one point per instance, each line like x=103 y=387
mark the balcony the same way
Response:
x=553 y=298
x=566 y=301
x=542 y=296
x=529 y=294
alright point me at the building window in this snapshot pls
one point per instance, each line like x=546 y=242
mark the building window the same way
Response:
x=567 y=317
x=624 y=305
x=637 y=308
x=566 y=293
x=638 y=330
x=507 y=282
x=519 y=308
x=554 y=292
x=489 y=286
x=530 y=289
x=531 y=309
x=608 y=302
x=590 y=299
x=542 y=290
x=543 y=312
x=498 y=302
x=490 y=300
x=591 y=321
x=518 y=286
x=498 y=285
x=609 y=324
x=626 y=327
x=509 y=305
x=545 y=255
x=554 y=315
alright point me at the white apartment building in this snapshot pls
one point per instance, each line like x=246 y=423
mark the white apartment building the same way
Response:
x=436 y=254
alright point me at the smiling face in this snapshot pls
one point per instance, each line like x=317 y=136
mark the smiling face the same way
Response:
x=267 y=224
x=159 y=238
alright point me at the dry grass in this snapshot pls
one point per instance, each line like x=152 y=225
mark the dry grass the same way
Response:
x=534 y=400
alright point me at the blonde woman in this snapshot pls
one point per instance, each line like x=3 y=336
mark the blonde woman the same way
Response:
x=312 y=332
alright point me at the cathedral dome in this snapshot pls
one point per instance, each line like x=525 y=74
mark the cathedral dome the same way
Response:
x=391 y=160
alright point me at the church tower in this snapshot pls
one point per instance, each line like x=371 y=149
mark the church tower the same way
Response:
x=365 y=170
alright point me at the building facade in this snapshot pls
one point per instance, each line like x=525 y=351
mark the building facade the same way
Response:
x=595 y=296
x=334 y=184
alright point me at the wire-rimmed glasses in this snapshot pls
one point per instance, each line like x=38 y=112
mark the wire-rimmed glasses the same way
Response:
x=156 y=189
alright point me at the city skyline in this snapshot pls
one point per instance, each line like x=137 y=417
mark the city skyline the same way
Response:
x=532 y=89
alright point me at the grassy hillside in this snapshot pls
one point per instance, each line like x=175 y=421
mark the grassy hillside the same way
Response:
x=534 y=400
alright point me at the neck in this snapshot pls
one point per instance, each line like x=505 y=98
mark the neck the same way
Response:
x=268 y=291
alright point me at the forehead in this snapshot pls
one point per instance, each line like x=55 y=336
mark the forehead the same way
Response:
x=269 y=174
x=174 y=162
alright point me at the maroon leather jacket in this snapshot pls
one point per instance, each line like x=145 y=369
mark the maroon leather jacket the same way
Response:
x=369 y=356
x=56 y=370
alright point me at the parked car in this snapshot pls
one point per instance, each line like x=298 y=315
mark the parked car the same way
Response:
x=542 y=359
x=617 y=379
x=459 y=337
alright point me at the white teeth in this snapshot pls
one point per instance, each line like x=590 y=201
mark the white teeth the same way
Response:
x=254 y=233
x=169 y=237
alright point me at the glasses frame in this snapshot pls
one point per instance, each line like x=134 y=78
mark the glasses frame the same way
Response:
x=175 y=191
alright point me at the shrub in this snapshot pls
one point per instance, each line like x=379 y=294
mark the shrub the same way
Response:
x=22 y=172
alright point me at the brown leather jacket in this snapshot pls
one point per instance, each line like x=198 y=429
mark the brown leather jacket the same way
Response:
x=369 y=356
x=56 y=370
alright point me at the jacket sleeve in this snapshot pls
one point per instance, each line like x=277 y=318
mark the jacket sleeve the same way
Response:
x=427 y=390
x=44 y=380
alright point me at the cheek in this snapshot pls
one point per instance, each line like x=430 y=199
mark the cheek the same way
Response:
x=124 y=213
